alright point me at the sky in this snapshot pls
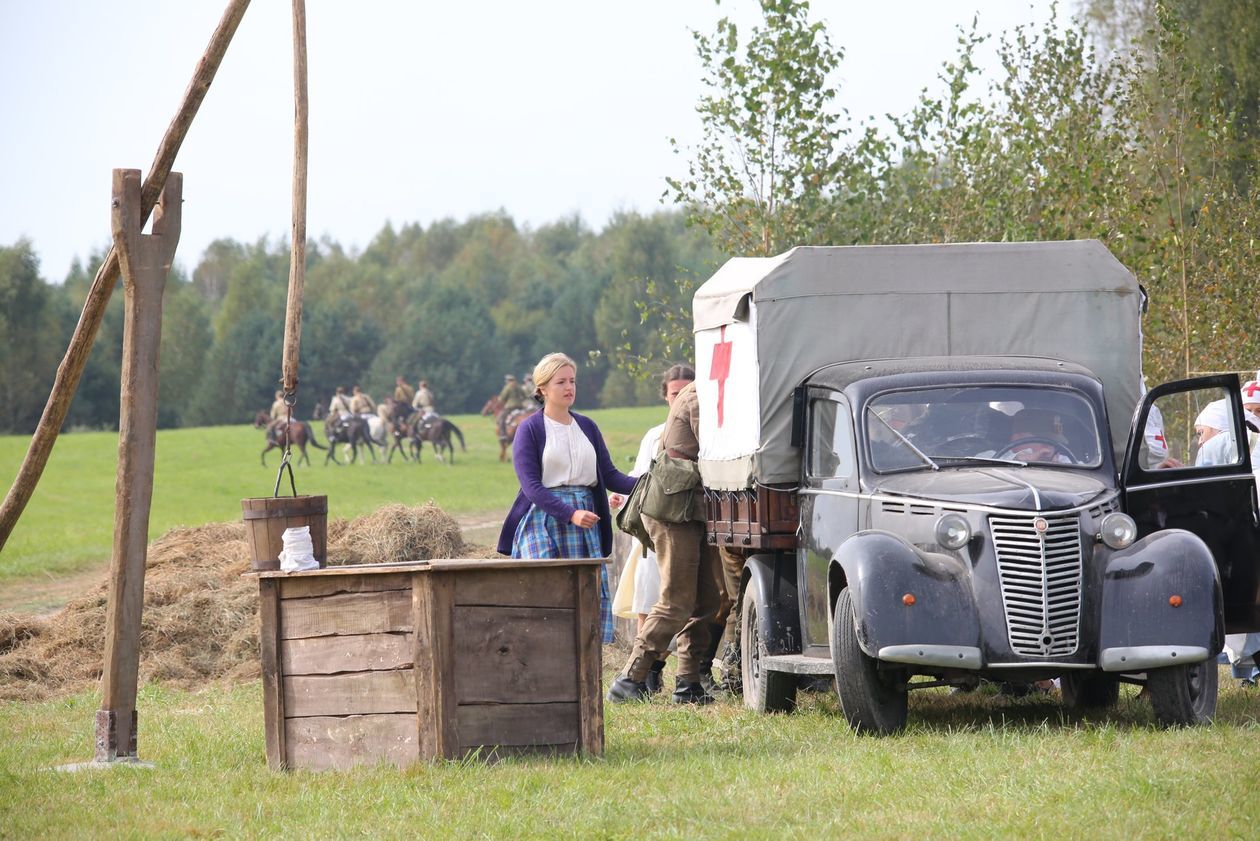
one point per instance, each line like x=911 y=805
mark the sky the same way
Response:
x=419 y=111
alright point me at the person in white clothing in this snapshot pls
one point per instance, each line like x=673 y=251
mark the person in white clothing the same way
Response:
x=1243 y=650
x=647 y=574
x=1215 y=435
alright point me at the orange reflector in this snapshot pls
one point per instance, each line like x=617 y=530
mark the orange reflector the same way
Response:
x=1175 y=601
x=907 y=599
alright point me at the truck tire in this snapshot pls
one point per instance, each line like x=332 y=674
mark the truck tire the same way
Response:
x=764 y=691
x=871 y=701
x=1089 y=690
x=1184 y=695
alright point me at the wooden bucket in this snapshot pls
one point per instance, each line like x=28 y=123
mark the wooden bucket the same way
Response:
x=267 y=517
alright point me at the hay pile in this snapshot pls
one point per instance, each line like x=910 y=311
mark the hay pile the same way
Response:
x=200 y=615
x=395 y=533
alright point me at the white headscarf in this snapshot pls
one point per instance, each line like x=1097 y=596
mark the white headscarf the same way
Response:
x=1214 y=415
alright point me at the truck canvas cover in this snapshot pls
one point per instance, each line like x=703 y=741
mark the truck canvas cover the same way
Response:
x=763 y=324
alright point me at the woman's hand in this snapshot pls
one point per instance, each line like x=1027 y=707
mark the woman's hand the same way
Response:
x=584 y=519
x=616 y=500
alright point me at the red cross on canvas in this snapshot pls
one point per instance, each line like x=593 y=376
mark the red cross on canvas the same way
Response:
x=720 y=369
x=1250 y=390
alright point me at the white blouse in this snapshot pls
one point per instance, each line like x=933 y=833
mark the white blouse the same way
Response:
x=568 y=456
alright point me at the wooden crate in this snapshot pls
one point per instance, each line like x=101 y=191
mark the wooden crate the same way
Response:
x=396 y=663
x=763 y=517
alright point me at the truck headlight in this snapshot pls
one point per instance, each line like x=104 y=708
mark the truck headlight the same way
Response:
x=1117 y=530
x=952 y=531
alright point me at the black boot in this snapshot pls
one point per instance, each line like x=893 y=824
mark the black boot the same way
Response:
x=625 y=689
x=655 y=680
x=691 y=692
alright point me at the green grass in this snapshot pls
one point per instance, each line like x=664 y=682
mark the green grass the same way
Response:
x=202 y=475
x=967 y=766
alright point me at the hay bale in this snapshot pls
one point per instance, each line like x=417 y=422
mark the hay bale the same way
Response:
x=397 y=533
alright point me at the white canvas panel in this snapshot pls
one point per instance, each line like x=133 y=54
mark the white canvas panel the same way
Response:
x=732 y=385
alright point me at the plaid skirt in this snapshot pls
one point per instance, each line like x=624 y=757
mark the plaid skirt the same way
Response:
x=540 y=535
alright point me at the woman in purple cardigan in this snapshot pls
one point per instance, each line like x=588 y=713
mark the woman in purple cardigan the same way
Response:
x=565 y=473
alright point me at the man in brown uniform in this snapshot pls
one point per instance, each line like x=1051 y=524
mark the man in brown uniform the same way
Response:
x=689 y=581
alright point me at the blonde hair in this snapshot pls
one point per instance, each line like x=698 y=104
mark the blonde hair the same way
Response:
x=546 y=369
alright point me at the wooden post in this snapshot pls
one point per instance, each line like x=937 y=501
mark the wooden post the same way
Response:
x=269 y=637
x=80 y=347
x=297 y=261
x=590 y=653
x=145 y=261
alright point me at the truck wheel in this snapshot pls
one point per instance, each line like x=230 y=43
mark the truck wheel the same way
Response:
x=872 y=701
x=1088 y=691
x=764 y=691
x=1183 y=695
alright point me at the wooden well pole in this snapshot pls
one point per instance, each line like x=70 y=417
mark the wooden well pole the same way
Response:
x=72 y=364
x=297 y=262
x=145 y=260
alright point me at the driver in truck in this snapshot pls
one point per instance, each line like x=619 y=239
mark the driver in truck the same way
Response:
x=1037 y=435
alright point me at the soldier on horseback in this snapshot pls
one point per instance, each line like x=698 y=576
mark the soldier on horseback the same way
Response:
x=339 y=405
x=513 y=399
x=423 y=403
x=361 y=403
x=403 y=393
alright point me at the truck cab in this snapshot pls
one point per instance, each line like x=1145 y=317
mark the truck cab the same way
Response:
x=967 y=517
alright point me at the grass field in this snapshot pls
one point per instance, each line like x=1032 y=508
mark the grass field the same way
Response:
x=973 y=766
x=202 y=475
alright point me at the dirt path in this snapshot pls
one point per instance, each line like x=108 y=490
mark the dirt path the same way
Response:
x=45 y=595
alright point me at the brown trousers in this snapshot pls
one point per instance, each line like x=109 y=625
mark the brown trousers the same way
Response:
x=732 y=568
x=688 y=603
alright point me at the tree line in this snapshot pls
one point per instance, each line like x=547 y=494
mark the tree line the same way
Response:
x=1135 y=123
x=459 y=304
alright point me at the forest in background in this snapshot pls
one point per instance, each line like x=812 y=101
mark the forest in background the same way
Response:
x=1135 y=123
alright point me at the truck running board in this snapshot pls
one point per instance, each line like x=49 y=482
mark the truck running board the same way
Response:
x=798 y=664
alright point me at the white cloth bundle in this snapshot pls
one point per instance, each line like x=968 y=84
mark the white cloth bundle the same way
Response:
x=298 y=552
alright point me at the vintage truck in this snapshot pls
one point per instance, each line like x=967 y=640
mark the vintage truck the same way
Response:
x=938 y=463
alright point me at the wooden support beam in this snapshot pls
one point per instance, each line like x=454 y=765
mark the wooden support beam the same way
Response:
x=297 y=261
x=72 y=365
x=145 y=261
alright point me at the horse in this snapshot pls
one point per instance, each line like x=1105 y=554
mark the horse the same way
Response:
x=437 y=430
x=505 y=426
x=396 y=417
x=351 y=430
x=298 y=432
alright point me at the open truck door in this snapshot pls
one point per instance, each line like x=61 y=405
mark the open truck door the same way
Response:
x=1180 y=474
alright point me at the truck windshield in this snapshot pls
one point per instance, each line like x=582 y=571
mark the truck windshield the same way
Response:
x=1026 y=426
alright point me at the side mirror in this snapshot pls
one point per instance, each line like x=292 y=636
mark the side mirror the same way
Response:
x=799 y=404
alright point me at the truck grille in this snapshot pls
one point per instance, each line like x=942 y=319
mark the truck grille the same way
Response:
x=1041 y=582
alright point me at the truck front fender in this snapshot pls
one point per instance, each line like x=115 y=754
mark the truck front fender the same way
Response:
x=1161 y=604
x=772 y=580
x=910 y=606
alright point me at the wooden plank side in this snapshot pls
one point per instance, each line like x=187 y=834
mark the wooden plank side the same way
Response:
x=348 y=613
x=273 y=696
x=303 y=588
x=457 y=564
x=517 y=724
x=357 y=653
x=321 y=743
x=347 y=569
x=588 y=639
x=521 y=587
x=510 y=655
x=432 y=602
x=356 y=693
